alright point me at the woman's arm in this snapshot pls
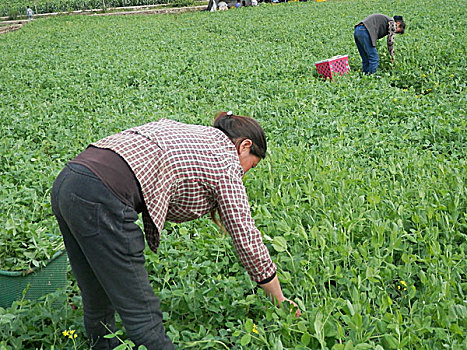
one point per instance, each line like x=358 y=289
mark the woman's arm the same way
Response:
x=234 y=211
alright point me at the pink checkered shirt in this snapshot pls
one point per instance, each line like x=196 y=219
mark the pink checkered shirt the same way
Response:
x=186 y=171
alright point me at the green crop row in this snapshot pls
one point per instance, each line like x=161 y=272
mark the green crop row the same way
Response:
x=362 y=201
x=15 y=8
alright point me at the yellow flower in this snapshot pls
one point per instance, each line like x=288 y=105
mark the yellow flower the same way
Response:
x=404 y=90
x=71 y=334
x=255 y=329
x=423 y=75
x=452 y=75
x=404 y=285
x=395 y=100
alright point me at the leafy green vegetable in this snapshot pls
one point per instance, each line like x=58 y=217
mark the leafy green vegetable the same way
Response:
x=364 y=188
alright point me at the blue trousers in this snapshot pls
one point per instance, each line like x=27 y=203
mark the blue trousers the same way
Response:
x=105 y=248
x=369 y=54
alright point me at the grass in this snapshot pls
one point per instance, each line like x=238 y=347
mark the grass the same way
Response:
x=362 y=201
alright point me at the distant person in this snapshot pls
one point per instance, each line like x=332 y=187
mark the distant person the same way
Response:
x=211 y=5
x=214 y=7
x=222 y=6
x=238 y=4
x=30 y=13
x=368 y=31
x=254 y=3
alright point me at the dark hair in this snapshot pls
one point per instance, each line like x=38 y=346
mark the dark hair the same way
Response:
x=239 y=128
x=400 y=20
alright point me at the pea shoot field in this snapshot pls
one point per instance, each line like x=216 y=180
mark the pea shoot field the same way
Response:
x=362 y=200
x=15 y=8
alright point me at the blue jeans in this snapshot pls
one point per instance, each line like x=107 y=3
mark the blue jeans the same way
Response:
x=367 y=51
x=105 y=248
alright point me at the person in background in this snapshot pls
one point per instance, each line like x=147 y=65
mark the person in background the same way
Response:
x=29 y=13
x=368 y=31
x=211 y=5
x=164 y=170
x=238 y=4
x=223 y=6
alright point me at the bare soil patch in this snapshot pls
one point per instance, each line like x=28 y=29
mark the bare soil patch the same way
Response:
x=10 y=27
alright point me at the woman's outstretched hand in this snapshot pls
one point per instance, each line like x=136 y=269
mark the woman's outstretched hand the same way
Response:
x=273 y=289
x=293 y=305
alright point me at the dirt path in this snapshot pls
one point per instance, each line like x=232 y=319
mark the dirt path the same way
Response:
x=10 y=26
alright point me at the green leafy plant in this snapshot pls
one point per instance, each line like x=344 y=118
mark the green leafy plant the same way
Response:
x=125 y=344
x=364 y=186
x=12 y=14
x=17 y=7
x=181 y=3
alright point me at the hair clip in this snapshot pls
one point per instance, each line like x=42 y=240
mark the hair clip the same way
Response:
x=229 y=114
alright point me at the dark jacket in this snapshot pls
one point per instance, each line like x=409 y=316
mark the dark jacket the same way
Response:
x=377 y=26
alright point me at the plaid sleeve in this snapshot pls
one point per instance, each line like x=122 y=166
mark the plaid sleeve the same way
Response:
x=392 y=32
x=235 y=214
x=151 y=232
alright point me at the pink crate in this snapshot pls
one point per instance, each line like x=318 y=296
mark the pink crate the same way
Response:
x=331 y=66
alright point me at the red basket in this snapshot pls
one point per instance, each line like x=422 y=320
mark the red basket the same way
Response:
x=331 y=66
